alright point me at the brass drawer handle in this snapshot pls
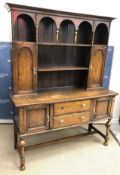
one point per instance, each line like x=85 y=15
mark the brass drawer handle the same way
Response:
x=83 y=105
x=83 y=117
x=62 y=121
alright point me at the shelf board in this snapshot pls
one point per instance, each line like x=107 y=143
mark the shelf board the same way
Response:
x=59 y=44
x=63 y=44
x=63 y=68
x=100 y=45
x=24 y=42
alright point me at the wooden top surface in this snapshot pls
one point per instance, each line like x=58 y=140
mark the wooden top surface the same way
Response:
x=49 y=97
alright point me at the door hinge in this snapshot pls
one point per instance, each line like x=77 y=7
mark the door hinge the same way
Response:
x=34 y=70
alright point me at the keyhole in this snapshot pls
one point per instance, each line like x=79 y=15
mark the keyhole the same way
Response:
x=62 y=108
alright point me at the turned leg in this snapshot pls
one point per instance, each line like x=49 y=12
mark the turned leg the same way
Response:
x=15 y=137
x=90 y=127
x=108 y=124
x=21 y=151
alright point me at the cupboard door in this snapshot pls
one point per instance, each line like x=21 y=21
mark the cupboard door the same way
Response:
x=37 y=118
x=102 y=108
x=24 y=67
x=97 y=66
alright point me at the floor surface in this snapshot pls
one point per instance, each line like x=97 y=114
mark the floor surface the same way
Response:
x=116 y=131
x=81 y=156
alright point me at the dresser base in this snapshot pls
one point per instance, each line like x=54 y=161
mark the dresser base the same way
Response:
x=19 y=140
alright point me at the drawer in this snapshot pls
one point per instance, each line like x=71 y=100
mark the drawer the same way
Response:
x=74 y=106
x=71 y=119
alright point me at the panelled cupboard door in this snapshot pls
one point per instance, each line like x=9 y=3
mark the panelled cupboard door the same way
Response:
x=37 y=118
x=97 y=66
x=103 y=107
x=24 y=67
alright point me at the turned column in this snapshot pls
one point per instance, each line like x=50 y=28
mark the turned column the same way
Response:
x=108 y=124
x=57 y=35
x=75 y=37
x=21 y=151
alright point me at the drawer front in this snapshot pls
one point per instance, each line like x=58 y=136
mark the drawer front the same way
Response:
x=74 y=106
x=71 y=119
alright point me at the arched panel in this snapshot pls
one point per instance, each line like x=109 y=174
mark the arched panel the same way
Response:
x=25 y=70
x=84 y=33
x=67 y=31
x=101 y=34
x=24 y=28
x=96 y=67
x=47 y=30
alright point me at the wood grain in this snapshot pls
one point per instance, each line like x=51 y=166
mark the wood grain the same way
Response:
x=71 y=107
x=48 y=97
x=71 y=119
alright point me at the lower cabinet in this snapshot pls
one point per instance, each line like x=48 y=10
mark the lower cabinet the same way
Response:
x=36 y=118
x=51 y=112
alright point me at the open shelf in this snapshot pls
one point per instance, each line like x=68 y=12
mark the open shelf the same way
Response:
x=77 y=57
x=62 y=79
x=66 y=68
x=47 y=30
x=101 y=34
x=100 y=45
x=24 y=28
x=84 y=33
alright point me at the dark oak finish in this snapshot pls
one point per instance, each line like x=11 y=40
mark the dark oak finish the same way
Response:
x=24 y=63
x=97 y=66
x=58 y=67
